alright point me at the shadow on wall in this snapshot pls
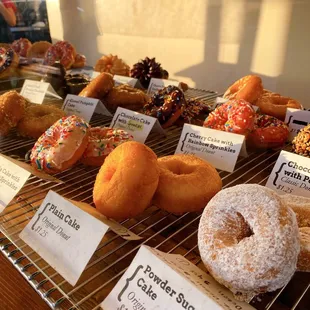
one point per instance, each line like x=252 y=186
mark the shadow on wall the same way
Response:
x=78 y=23
x=290 y=78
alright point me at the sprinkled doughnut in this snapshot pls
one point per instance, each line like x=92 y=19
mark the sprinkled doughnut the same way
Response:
x=8 y=62
x=249 y=240
x=61 y=146
x=101 y=142
x=235 y=116
x=268 y=132
x=62 y=51
x=37 y=119
x=21 y=46
x=166 y=105
x=249 y=88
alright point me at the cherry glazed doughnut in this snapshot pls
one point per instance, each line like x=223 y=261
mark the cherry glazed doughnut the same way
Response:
x=101 y=142
x=269 y=132
x=166 y=105
x=276 y=105
x=37 y=119
x=186 y=183
x=237 y=116
x=248 y=88
x=62 y=51
x=249 y=241
x=12 y=109
x=61 y=146
x=99 y=86
x=21 y=46
x=126 y=181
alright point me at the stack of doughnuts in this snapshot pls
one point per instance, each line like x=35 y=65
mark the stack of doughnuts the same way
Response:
x=250 y=241
x=250 y=88
x=125 y=96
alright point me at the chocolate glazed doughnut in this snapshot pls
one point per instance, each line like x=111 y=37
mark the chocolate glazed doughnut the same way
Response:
x=166 y=105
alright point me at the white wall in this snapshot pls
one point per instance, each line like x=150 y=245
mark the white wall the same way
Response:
x=206 y=43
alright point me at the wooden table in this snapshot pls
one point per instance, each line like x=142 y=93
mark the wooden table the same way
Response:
x=15 y=292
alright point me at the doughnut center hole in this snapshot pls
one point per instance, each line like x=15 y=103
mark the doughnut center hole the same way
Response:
x=244 y=231
x=179 y=168
x=109 y=174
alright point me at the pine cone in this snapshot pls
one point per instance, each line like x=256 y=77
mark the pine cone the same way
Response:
x=146 y=69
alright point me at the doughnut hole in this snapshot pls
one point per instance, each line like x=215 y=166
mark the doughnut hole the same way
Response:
x=127 y=181
x=186 y=184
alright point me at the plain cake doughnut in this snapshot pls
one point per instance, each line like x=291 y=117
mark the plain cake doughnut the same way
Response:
x=186 y=183
x=249 y=240
x=126 y=181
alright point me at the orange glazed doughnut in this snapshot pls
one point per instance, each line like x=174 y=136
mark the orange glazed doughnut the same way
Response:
x=61 y=146
x=276 y=105
x=80 y=61
x=101 y=142
x=249 y=240
x=126 y=181
x=98 y=87
x=186 y=183
x=249 y=88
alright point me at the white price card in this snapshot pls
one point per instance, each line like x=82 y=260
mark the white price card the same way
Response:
x=84 y=107
x=296 y=120
x=157 y=84
x=219 y=148
x=120 y=79
x=64 y=236
x=156 y=280
x=291 y=175
x=35 y=91
x=139 y=125
x=12 y=179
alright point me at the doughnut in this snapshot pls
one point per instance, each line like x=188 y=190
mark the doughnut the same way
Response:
x=99 y=86
x=276 y=105
x=127 y=181
x=301 y=207
x=62 y=51
x=235 y=116
x=166 y=105
x=301 y=143
x=248 y=88
x=61 y=146
x=194 y=112
x=21 y=46
x=186 y=183
x=268 y=132
x=75 y=83
x=249 y=240
x=8 y=62
x=38 y=49
x=12 y=109
x=79 y=61
x=113 y=65
x=37 y=119
x=101 y=142
x=126 y=97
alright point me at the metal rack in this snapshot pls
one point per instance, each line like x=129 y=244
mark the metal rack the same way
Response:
x=159 y=229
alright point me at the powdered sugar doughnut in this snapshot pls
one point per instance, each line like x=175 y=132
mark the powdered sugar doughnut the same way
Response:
x=249 y=240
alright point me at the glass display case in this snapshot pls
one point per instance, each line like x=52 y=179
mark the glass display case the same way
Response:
x=202 y=70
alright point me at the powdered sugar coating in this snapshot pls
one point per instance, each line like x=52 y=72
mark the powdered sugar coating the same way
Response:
x=248 y=239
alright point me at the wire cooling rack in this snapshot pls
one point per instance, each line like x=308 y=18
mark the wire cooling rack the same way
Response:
x=159 y=229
